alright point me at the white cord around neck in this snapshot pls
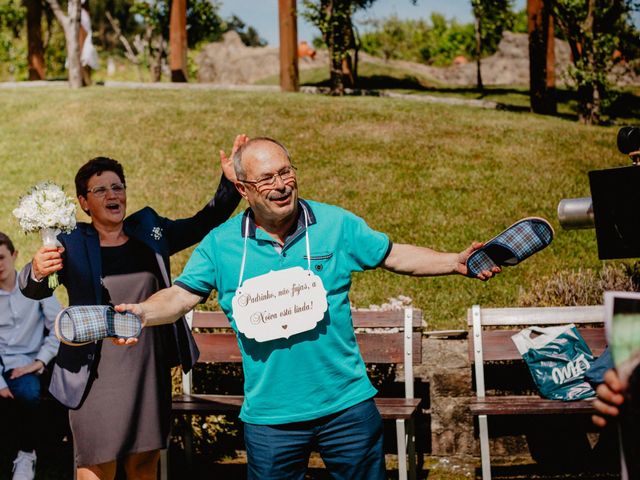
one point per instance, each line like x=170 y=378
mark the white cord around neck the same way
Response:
x=246 y=235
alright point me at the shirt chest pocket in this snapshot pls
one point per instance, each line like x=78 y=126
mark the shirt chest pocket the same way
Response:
x=320 y=261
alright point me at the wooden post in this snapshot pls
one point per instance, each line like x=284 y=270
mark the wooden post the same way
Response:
x=35 y=53
x=288 y=46
x=178 y=41
x=541 y=57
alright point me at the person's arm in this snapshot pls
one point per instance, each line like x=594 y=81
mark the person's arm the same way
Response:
x=422 y=261
x=609 y=398
x=49 y=309
x=164 y=306
x=4 y=388
x=34 y=367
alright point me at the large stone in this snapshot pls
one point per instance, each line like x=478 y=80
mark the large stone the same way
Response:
x=445 y=353
x=231 y=62
x=453 y=383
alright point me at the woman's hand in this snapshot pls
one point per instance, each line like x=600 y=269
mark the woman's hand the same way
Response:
x=227 y=162
x=46 y=261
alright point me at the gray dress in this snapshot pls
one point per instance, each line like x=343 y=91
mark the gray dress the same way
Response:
x=127 y=408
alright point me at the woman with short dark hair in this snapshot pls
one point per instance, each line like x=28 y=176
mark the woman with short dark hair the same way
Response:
x=120 y=398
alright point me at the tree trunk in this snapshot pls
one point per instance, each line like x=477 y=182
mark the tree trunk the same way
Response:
x=336 y=80
x=156 y=60
x=35 y=54
x=338 y=12
x=71 y=26
x=590 y=97
x=478 y=53
x=348 y=71
x=541 y=58
x=73 y=45
x=86 y=69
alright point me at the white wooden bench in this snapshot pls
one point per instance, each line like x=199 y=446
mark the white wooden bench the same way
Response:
x=490 y=343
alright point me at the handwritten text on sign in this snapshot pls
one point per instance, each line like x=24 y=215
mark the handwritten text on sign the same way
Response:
x=279 y=304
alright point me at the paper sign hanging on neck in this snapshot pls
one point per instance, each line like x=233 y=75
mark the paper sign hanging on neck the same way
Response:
x=279 y=304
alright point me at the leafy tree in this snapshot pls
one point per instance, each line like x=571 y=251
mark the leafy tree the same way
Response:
x=492 y=17
x=520 y=22
x=334 y=20
x=148 y=47
x=249 y=35
x=596 y=30
x=12 y=50
x=437 y=42
x=119 y=10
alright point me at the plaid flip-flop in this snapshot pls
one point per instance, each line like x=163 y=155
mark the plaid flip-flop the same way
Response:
x=84 y=324
x=516 y=243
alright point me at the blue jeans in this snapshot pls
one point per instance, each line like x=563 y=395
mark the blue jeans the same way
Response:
x=26 y=394
x=350 y=443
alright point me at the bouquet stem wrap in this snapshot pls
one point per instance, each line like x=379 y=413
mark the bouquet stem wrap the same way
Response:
x=49 y=240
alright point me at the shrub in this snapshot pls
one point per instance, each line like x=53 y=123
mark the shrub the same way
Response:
x=581 y=287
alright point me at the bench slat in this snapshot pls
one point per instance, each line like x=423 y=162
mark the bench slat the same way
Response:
x=527 y=405
x=375 y=348
x=361 y=319
x=497 y=344
x=539 y=315
x=390 y=408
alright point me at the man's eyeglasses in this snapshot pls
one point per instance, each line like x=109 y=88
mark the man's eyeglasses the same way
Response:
x=101 y=191
x=270 y=180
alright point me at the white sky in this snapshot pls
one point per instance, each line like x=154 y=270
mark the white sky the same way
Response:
x=263 y=14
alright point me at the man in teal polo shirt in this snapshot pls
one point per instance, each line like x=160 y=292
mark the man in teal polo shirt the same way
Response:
x=282 y=270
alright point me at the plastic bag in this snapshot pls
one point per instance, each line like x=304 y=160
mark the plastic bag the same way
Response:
x=558 y=358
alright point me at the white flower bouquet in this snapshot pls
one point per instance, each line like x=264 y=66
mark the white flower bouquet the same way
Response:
x=48 y=210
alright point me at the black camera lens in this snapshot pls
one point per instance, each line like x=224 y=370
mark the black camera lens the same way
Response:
x=629 y=139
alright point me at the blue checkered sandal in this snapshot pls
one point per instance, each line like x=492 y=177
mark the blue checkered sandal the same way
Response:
x=84 y=324
x=516 y=243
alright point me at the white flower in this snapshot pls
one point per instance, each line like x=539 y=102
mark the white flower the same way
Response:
x=46 y=206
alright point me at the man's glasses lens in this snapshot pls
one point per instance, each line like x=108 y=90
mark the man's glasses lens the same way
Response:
x=284 y=174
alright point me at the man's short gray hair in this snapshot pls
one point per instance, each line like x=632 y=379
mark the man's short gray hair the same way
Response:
x=237 y=157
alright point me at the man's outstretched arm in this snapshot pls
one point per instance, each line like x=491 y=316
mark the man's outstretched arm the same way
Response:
x=423 y=262
x=165 y=306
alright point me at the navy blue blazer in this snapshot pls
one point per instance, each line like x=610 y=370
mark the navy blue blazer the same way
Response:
x=82 y=273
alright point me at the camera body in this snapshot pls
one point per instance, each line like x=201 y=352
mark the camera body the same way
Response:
x=613 y=206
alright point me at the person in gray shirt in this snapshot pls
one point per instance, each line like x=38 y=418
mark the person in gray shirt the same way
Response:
x=24 y=352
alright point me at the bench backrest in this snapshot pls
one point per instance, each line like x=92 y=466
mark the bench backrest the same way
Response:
x=391 y=340
x=490 y=335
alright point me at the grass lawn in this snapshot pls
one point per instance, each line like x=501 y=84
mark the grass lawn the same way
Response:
x=426 y=174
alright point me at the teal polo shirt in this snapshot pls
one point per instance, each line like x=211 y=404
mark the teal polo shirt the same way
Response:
x=313 y=373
